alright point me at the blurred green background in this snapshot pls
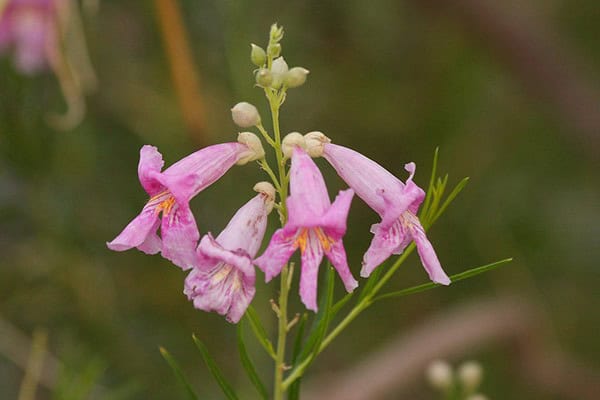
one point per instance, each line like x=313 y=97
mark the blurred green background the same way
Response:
x=391 y=79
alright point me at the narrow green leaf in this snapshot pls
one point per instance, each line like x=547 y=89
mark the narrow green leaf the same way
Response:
x=341 y=303
x=259 y=331
x=189 y=391
x=371 y=282
x=248 y=365
x=457 y=189
x=214 y=370
x=294 y=390
x=429 y=194
x=454 y=278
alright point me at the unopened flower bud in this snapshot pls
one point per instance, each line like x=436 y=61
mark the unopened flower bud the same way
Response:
x=290 y=141
x=258 y=56
x=276 y=32
x=274 y=49
x=264 y=77
x=295 y=77
x=245 y=115
x=315 y=142
x=255 y=148
x=279 y=66
x=266 y=189
x=439 y=375
x=470 y=374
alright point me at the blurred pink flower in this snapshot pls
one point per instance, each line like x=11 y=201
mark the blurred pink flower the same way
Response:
x=397 y=203
x=315 y=226
x=223 y=278
x=170 y=192
x=30 y=28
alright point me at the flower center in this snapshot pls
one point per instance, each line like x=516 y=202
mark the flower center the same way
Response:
x=162 y=202
x=304 y=237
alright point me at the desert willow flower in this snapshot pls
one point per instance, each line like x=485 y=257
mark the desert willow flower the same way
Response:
x=314 y=225
x=30 y=28
x=223 y=278
x=170 y=192
x=396 y=203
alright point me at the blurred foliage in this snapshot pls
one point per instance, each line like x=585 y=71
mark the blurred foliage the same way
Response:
x=388 y=79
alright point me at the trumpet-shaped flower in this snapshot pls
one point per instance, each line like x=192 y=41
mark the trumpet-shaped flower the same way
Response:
x=223 y=278
x=30 y=27
x=170 y=192
x=315 y=226
x=397 y=204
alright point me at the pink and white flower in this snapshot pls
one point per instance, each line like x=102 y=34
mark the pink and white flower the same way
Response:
x=170 y=192
x=396 y=203
x=223 y=278
x=315 y=226
x=30 y=28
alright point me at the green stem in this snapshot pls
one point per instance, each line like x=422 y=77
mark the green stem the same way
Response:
x=282 y=334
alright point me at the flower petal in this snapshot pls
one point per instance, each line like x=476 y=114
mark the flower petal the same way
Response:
x=387 y=241
x=138 y=233
x=308 y=199
x=192 y=174
x=151 y=162
x=427 y=253
x=311 y=259
x=180 y=236
x=337 y=256
x=367 y=178
x=278 y=252
x=335 y=218
x=247 y=227
x=238 y=258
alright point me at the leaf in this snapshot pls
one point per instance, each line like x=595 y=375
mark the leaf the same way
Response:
x=427 y=202
x=454 y=278
x=248 y=365
x=259 y=331
x=457 y=189
x=189 y=391
x=294 y=391
x=341 y=303
x=371 y=282
x=214 y=370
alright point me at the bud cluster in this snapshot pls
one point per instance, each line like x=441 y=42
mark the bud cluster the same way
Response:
x=273 y=72
x=463 y=384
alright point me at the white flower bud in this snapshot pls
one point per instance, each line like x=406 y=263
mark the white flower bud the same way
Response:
x=470 y=374
x=290 y=141
x=245 y=115
x=477 y=396
x=315 y=141
x=264 y=78
x=439 y=375
x=279 y=66
x=295 y=77
x=257 y=55
x=266 y=189
x=255 y=149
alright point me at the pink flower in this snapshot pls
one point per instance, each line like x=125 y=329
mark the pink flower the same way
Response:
x=223 y=278
x=30 y=27
x=397 y=204
x=170 y=192
x=315 y=226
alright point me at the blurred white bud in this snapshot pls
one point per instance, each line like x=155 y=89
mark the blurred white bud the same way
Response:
x=439 y=374
x=290 y=141
x=264 y=77
x=470 y=374
x=245 y=115
x=258 y=56
x=295 y=77
x=276 y=33
x=255 y=149
x=266 y=189
x=477 y=396
x=315 y=141
x=279 y=66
